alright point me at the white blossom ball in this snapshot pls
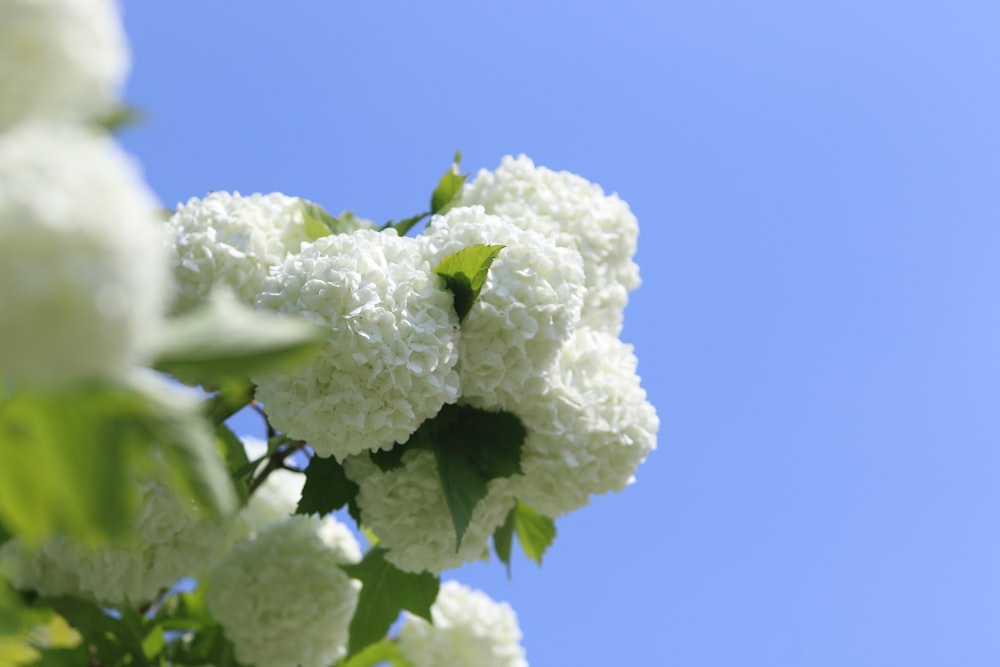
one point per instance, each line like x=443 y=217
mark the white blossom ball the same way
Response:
x=577 y=214
x=60 y=59
x=589 y=427
x=282 y=598
x=231 y=240
x=82 y=268
x=406 y=508
x=469 y=630
x=388 y=360
x=170 y=541
x=527 y=308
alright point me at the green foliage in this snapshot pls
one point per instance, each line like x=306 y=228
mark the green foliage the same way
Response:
x=319 y=223
x=448 y=187
x=70 y=458
x=380 y=653
x=465 y=274
x=119 y=118
x=129 y=639
x=385 y=592
x=233 y=452
x=327 y=488
x=471 y=447
x=535 y=533
x=226 y=341
x=196 y=637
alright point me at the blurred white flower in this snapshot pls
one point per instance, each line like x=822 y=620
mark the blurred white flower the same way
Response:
x=282 y=598
x=170 y=541
x=576 y=214
x=527 y=308
x=275 y=499
x=231 y=240
x=589 y=426
x=406 y=508
x=82 y=267
x=60 y=59
x=388 y=362
x=469 y=630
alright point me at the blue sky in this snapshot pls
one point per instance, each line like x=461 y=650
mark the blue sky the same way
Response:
x=816 y=185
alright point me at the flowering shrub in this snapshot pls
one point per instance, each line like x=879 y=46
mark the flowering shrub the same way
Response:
x=451 y=390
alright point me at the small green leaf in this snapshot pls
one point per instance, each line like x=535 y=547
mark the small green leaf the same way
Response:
x=448 y=187
x=503 y=539
x=120 y=118
x=234 y=453
x=318 y=222
x=465 y=274
x=385 y=592
x=225 y=340
x=471 y=447
x=379 y=653
x=406 y=224
x=327 y=488
x=535 y=532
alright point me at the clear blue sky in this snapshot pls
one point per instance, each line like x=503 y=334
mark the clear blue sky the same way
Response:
x=818 y=190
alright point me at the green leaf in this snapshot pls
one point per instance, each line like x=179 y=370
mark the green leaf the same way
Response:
x=406 y=224
x=385 y=592
x=503 y=539
x=448 y=187
x=385 y=651
x=225 y=340
x=465 y=273
x=234 y=453
x=71 y=458
x=327 y=488
x=233 y=398
x=108 y=636
x=535 y=532
x=120 y=118
x=471 y=447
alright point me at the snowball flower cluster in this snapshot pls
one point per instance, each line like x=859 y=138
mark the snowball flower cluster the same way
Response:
x=406 y=508
x=282 y=598
x=528 y=307
x=82 y=268
x=469 y=629
x=231 y=240
x=169 y=541
x=576 y=214
x=388 y=360
x=60 y=59
x=589 y=427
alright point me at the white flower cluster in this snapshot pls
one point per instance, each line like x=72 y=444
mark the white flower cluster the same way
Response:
x=388 y=362
x=282 y=598
x=60 y=59
x=274 y=500
x=469 y=629
x=230 y=240
x=577 y=214
x=169 y=541
x=406 y=508
x=528 y=307
x=82 y=269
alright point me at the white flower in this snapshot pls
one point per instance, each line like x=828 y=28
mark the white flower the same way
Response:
x=231 y=240
x=388 y=362
x=405 y=507
x=589 y=428
x=82 y=271
x=469 y=630
x=60 y=59
x=170 y=541
x=282 y=598
x=577 y=214
x=528 y=306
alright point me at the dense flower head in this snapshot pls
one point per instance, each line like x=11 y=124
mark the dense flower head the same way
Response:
x=231 y=240
x=528 y=306
x=282 y=598
x=82 y=269
x=469 y=629
x=589 y=425
x=576 y=214
x=169 y=541
x=60 y=59
x=406 y=508
x=388 y=360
